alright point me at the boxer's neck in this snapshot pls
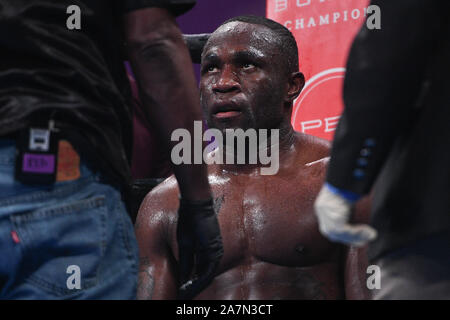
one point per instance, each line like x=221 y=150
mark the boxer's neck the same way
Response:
x=286 y=140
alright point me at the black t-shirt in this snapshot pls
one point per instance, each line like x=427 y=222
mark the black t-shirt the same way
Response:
x=76 y=77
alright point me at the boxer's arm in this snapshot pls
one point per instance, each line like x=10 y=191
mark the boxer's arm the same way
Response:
x=356 y=262
x=167 y=86
x=355 y=274
x=157 y=278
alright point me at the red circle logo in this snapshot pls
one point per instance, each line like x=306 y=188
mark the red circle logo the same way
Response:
x=318 y=107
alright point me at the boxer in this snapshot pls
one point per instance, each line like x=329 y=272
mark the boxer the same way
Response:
x=272 y=245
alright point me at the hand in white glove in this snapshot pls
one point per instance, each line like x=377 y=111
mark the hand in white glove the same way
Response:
x=333 y=212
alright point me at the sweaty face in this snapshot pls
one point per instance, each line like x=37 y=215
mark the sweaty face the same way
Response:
x=242 y=79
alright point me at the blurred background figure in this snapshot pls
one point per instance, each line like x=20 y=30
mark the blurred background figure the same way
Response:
x=66 y=139
x=394 y=137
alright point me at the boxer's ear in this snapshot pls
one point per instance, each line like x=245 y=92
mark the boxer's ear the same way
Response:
x=295 y=85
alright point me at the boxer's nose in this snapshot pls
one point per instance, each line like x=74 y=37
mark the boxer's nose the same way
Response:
x=227 y=82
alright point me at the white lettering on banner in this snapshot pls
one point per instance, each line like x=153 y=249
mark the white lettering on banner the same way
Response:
x=356 y=14
x=324 y=19
x=287 y=23
x=311 y=124
x=303 y=3
x=336 y=17
x=330 y=124
x=281 y=5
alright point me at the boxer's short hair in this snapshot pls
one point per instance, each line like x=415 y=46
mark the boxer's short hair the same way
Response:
x=286 y=41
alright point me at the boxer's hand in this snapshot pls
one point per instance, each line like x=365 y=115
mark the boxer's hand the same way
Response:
x=200 y=246
x=333 y=212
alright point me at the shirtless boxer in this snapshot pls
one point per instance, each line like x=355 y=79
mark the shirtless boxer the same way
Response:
x=273 y=248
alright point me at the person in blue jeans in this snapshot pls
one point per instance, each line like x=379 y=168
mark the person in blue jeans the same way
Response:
x=66 y=137
x=71 y=240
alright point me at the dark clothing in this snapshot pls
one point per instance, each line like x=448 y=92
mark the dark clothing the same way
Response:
x=416 y=272
x=76 y=77
x=394 y=131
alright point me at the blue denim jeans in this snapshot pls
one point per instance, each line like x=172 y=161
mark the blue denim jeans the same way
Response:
x=70 y=240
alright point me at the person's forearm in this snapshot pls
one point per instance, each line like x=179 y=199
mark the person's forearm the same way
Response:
x=169 y=94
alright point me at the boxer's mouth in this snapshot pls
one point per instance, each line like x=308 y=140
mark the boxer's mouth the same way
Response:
x=223 y=111
x=227 y=114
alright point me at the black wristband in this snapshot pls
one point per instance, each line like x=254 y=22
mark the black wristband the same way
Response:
x=196 y=203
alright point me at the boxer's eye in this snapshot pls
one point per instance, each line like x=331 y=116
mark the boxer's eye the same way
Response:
x=248 y=66
x=210 y=69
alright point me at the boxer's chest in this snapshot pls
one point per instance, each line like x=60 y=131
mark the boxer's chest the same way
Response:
x=271 y=220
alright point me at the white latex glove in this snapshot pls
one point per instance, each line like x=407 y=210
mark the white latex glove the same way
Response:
x=333 y=212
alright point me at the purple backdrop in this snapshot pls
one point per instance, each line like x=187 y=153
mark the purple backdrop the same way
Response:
x=207 y=15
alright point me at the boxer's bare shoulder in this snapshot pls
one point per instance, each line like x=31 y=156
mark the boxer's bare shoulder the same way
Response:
x=159 y=208
x=315 y=148
x=313 y=155
x=160 y=205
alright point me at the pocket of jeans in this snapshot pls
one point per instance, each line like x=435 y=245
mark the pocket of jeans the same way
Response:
x=62 y=245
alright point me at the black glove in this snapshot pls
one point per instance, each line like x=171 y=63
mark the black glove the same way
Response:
x=199 y=240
